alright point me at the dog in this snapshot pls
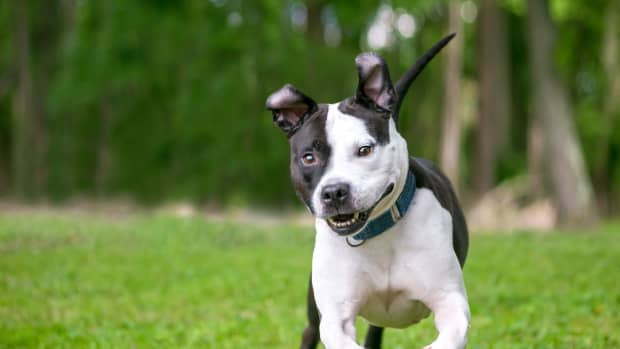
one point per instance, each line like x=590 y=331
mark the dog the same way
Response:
x=391 y=238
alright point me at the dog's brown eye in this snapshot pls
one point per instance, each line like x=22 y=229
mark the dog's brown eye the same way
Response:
x=308 y=159
x=364 y=151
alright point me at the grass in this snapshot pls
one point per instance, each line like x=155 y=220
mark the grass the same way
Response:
x=157 y=281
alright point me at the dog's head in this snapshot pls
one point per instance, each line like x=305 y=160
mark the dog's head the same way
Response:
x=348 y=161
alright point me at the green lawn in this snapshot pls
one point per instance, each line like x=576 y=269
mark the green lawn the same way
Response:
x=157 y=281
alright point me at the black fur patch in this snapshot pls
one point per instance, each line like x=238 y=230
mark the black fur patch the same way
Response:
x=377 y=122
x=428 y=176
x=311 y=137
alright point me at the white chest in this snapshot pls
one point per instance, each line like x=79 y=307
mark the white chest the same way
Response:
x=389 y=279
x=391 y=296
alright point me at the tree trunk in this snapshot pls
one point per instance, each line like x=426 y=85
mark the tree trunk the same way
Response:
x=6 y=85
x=24 y=118
x=4 y=177
x=535 y=157
x=494 y=94
x=103 y=160
x=37 y=32
x=451 y=123
x=611 y=105
x=570 y=185
x=313 y=20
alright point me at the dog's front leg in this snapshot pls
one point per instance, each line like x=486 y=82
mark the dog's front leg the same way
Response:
x=451 y=320
x=338 y=332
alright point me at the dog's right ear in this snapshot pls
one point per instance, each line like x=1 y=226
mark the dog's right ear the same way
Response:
x=290 y=108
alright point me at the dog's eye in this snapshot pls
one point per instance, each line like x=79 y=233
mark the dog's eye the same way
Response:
x=308 y=159
x=364 y=151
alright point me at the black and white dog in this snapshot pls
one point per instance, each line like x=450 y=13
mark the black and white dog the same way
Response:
x=391 y=238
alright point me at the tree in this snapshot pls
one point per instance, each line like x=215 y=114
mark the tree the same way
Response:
x=37 y=32
x=5 y=137
x=24 y=112
x=314 y=23
x=451 y=123
x=494 y=94
x=564 y=165
x=611 y=105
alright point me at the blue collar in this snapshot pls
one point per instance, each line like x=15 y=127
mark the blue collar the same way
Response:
x=388 y=218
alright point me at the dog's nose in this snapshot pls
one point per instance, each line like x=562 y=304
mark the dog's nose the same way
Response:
x=335 y=194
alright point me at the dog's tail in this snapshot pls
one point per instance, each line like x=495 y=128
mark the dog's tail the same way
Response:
x=402 y=85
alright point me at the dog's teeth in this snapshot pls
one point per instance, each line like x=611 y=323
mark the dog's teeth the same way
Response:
x=355 y=218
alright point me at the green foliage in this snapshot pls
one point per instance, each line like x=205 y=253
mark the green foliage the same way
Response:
x=183 y=99
x=174 y=96
x=161 y=100
x=157 y=281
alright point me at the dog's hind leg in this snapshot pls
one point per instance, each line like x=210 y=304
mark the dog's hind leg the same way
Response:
x=373 y=337
x=310 y=338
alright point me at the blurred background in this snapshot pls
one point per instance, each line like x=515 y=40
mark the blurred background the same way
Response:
x=158 y=101
x=145 y=200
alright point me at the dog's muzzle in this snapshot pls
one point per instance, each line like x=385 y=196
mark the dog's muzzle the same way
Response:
x=351 y=222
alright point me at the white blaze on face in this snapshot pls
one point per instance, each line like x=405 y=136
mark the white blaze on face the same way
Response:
x=369 y=176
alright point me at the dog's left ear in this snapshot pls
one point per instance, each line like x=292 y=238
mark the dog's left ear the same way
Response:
x=374 y=88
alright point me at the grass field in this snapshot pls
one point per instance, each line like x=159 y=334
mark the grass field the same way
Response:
x=157 y=281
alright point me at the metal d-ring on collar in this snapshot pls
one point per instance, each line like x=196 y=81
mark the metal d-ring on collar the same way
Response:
x=357 y=244
x=388 y=218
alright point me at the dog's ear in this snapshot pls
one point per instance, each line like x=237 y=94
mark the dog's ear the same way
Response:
x=374 y=88
x=290 y=108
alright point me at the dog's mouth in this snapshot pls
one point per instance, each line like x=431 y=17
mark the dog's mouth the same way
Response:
x=349 y=223
x=345 y=224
